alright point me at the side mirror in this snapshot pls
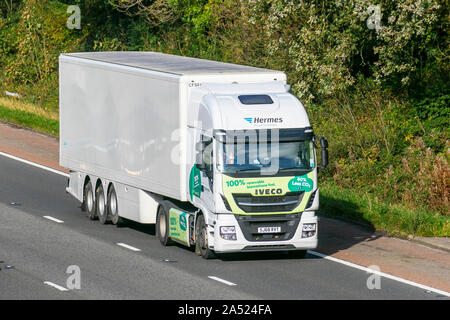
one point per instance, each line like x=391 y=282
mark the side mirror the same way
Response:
x=323 y=143
x=324 y=151
x=200 y=156
x=324 y=159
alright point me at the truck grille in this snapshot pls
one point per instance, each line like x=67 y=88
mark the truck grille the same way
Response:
x=255 y=204
x=280 y=247
x=288 y=224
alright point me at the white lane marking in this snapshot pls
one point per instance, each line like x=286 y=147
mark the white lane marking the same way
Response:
x=349 y=264
x=222 y=280
x=53 y=219
x=51 y=284
x=34 y=164
x=128 y=247
x=382 y=274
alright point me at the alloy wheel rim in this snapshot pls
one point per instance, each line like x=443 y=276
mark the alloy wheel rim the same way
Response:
x=90 y=201
x=162 y=225
x=113 y=205
x=101 y=204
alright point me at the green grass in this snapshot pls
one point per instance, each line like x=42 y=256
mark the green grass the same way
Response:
x=395 y=220
x=30 y=120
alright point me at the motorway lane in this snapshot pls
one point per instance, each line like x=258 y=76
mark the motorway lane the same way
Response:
x=41 y=250
x=45 y=250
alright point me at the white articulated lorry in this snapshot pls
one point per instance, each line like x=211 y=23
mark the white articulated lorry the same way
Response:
x=219 y=156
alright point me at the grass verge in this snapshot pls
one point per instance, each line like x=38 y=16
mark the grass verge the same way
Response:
x=16 y=104
x=31 y=120
x=394 y=219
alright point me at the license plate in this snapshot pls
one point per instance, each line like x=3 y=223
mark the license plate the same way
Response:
x=269 y=229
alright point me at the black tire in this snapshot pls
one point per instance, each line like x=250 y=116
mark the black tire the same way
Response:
x=84 y=204
x=201 y=239
x=100 y=207
x=112 y=207
x=162 y=226
x=297 y=254
x=89 y=201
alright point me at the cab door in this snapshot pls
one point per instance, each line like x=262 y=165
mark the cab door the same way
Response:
x=201 y=180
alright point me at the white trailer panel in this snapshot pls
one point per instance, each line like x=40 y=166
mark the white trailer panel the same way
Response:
x=123 y=115
x=117 y=123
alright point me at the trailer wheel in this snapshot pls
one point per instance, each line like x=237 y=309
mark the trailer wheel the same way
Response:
x=89 y=201
x=112 y=207
x=102 y=214
x=84 y=203
x=162 y=226
x=201 y=239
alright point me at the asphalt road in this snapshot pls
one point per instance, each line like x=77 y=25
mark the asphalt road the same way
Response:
x=35 y=253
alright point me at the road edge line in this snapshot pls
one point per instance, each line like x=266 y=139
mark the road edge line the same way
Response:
x=382 y=274
x=229 y=283
x=127 y=246
x=34 y=164
x=53 y=219
x=54 y=285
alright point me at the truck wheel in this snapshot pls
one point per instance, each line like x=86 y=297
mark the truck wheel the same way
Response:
x=112 y=207
x=201 y=239
x=102 y=214
x=297 y=254
x=89 y=201
x=162 y=226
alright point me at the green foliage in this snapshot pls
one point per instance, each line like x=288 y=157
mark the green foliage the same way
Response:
x=325 y=45
x=9 y=39
x=7 y=7
x=379 y=145
x=435 y=110
x=156 y=13
x=409 y=39
x=41 y=35
x=199 y=14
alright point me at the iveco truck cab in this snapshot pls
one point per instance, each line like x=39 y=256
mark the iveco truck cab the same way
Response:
x=254 y=170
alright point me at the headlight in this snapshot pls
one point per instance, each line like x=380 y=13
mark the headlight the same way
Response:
x=308 y=230
x=309 y=227
x=228 y=232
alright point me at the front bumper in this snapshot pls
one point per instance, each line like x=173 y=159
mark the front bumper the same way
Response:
x=241 y=244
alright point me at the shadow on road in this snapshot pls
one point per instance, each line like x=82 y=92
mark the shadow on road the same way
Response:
x=344 y=210
x=337 y=232
x=144 y=228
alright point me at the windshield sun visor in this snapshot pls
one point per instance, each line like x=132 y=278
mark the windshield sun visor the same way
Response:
x=264 y=135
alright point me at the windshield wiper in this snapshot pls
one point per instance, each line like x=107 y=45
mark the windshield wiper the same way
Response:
x=249 y=169
x=295 y=168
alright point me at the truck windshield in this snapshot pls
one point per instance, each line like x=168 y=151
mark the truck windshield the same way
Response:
x=252 y=156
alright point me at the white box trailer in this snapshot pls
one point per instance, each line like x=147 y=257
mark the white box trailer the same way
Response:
x=143 y=135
